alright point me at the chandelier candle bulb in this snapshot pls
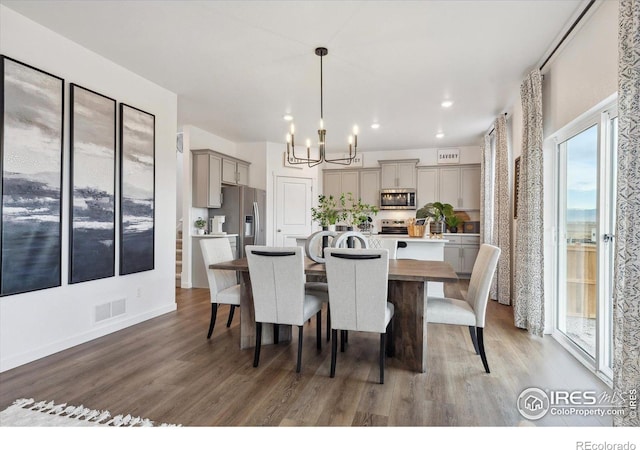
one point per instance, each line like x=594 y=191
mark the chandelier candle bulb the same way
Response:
x=293 y=129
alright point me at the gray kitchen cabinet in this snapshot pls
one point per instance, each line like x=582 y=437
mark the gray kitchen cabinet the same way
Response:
x=398 y=173
x=460 y=186
x=461 y=252
x=235 y=172
x=338 y=182
x=427 y=186
x=206 y=179
x=370 y=186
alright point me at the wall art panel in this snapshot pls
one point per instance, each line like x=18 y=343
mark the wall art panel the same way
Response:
x=93 y=168
x=137 y=190
x=32 y=111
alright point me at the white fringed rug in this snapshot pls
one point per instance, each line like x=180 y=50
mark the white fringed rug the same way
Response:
x=25 y=412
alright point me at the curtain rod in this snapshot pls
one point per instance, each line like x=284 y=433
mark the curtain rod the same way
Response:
x=494 y=127
x=568 y=32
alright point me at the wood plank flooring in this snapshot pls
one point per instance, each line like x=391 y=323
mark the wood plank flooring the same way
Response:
x=166 y=370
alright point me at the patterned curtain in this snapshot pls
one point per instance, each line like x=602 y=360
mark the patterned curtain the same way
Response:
x=486 y=194
x=626 y=295
x=529 y=249
x=501 y=289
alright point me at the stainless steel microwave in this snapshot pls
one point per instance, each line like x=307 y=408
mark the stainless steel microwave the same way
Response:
x=398 y=199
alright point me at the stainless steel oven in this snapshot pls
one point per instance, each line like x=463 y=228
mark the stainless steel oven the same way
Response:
x=398 y=199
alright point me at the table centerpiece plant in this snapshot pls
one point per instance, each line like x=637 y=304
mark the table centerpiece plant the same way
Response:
x=327 y=213
x=357 y=214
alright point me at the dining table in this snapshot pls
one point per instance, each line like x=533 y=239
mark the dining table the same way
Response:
x=407 y=291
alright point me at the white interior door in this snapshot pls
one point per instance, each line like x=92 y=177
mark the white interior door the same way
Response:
x=293 y=209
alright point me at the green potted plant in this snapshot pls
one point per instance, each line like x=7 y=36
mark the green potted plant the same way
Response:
x=437 y=212
x=452 y=223
x=357 y=214
x=326 y=213
x=200 y=224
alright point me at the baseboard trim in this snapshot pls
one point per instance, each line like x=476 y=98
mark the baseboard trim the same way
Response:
x=55 y=347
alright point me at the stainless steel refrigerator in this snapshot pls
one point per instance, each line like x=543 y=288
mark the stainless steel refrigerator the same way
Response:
x=244 y=209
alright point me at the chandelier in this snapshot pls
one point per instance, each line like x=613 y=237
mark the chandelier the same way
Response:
x=293 y=158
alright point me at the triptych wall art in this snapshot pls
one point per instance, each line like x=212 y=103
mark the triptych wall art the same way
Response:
x=31 y=161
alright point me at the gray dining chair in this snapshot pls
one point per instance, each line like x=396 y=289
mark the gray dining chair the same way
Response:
x=357 y=280
x=471 y=311
x=279 y=294
x=223 y=284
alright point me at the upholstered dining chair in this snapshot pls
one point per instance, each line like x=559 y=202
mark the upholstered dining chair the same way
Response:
x=279 y=294
x=223 y=284
x=357 y=280
x=470 y=312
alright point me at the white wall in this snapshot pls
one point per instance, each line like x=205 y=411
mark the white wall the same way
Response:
x=581 y=74
x=37 y=324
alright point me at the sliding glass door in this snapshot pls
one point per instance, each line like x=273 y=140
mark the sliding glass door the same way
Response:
x=586 y=213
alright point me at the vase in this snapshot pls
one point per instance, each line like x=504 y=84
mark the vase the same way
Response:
x=332 y=227
x=200 y=231
x=453 y=229
x=436 y=227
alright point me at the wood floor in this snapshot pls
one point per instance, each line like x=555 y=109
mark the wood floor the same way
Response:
x=166 y=370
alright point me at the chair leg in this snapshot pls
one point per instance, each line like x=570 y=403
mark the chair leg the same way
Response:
x=231 y=311
x=319 y=330
x=300 y=334
x=382 y=348
x=474 y=339
x=328 y=321
x=276 y=333
x=391 y=349
x=334 y=351
x=481 y=348
x=214 y=313
x=256 y=354
x=342 y=340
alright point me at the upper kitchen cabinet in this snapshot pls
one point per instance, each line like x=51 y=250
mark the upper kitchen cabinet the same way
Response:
x=206 y=177
x=459 y=186
x=427 y=186
x=235 y=171
x=370 y=186
x=398 y=173
x=338 y=182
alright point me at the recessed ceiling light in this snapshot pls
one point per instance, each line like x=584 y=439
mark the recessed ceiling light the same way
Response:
x=440 y=135
x=288 y=117
x=446 y=104
x=375 y=126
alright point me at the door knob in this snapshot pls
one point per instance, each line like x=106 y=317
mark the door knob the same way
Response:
x=279 y=231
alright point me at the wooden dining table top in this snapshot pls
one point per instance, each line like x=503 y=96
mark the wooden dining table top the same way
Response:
x=399 y=269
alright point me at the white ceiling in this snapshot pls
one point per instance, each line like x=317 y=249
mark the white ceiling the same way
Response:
x=239 y=66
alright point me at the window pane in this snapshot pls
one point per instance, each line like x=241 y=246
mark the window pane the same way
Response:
x=578 y=321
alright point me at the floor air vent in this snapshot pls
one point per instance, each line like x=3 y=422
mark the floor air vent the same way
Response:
x=112 y=309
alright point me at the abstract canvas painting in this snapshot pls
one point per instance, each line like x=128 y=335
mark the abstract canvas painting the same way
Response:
x=93 y=166
x=137 y=190
x=31 y=107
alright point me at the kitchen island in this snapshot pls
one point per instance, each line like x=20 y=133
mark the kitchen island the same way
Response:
x=425 y=249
